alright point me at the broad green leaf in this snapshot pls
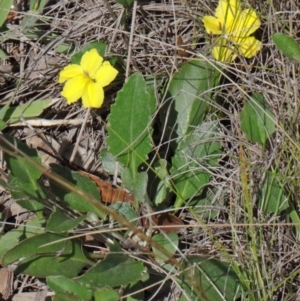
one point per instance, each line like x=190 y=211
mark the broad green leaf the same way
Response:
x=2 y=125
x=59 y=222
x=109 y=163
x=189 y=96
x=64 y=258
x=62 y=284
x=272 y=197
x=14 y=236
x=129 y=123
x=92 y=218
x=126 y=210
x=5 y=6
x=24 y=175
x=81 y=182
x=99 y=46
x=137 y=185
x=287 y=46
x=67 y=297
x=106 y=294
x=30 y=109
x=162 y=193
x=168 y=241
x=257 y=121
x=115 y=270
x=26 y=199
x=196 y=154
x=213 y=279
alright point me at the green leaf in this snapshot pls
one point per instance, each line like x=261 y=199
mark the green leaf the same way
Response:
x=126 y=210
x=62 y=284
x=31 y=18
x=74 y=200
x=115 y=270
x=67 y=297
x=23 y=174
x=108 y=162
x=2 y=125
x=125 y=3
x=129 y=123
x=257 y=121
x=3 y=55
x=106 y=294
x=168 y=241
x=59 y=222
x=135 y=292
x=287 y=46
x=30 y=109
x=64 y=48
x=137 y=185
x=25 y=199
x=189 y=97
x=212 y=279
x=63 y=258
x=5 y=6
x=272 y=198
x=209 y=204
x=3 y=113
x=37 y=5
x=294 y=215
x=159 y=182
x=99 y=46
x=195 y=155
x=14 y=236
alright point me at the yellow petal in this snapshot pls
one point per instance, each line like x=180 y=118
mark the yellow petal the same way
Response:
x=246 y=24
x=74 y=88
x=212 y=25
x=93 y=95
x=106 y=74
x=227 y=11
x=223 y=52
x=248 y=47
x=91 y=62
x=68 y=72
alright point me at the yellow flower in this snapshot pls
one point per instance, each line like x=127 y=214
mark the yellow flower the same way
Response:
x=87 y=80
x=234 y=26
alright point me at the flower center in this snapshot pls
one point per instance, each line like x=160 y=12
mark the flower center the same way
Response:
x=88 y=75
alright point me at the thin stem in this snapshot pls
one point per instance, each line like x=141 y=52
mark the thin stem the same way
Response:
x=79 y=136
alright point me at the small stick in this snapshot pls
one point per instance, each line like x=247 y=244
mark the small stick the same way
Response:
x=79 y=136
x=131 y=39
x=38 y=122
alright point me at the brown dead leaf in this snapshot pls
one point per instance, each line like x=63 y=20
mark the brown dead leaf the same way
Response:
x=183 y=51
x=109 y=194
x=5 y=283
x=165 y=219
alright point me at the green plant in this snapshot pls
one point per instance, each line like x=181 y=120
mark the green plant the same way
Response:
x=48 y=252
x=165 y=143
